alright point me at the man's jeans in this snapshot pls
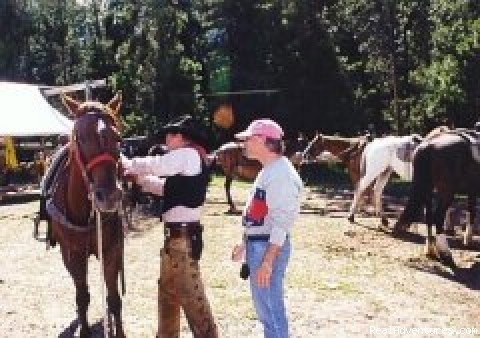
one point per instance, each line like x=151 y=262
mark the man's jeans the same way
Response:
x=269 y=302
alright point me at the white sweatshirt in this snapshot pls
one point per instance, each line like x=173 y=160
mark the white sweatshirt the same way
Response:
x=152 y=171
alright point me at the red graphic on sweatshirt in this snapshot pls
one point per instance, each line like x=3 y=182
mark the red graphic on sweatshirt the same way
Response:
x=257 y=210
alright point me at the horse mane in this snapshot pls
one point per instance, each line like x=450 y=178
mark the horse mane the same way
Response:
x=100 y=108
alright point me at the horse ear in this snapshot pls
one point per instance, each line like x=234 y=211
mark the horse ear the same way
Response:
x=71 y=104
x=115 y=103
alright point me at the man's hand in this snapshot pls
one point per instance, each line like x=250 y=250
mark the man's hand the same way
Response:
x=129 y=177
x=238 y=252
x=263 y=274
x=125 y=169
x=125 y=162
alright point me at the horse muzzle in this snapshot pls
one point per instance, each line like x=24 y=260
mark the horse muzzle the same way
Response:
x=107 y=200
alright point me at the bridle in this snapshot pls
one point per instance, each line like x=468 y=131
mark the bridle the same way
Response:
x=309 y=146
x=86 y=168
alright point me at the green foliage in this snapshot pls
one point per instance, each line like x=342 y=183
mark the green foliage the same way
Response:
x=335 y=66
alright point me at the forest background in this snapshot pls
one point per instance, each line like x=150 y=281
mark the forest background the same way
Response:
x=336 y=66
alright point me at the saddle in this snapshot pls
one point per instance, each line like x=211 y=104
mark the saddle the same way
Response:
x=48 y=183
x=405 y=151
x=47 y=189
x=473 y=138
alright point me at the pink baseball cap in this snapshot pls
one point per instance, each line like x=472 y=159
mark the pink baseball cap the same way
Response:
x=262 y=127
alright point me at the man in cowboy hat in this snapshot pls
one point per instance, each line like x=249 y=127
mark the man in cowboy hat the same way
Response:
x=181 y=176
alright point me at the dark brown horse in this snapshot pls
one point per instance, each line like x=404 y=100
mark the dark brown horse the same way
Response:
x=347 y=149
x=233 y=163
x=86 y=184
x=444 y=163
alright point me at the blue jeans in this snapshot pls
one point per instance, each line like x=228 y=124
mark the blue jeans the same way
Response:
x=269 y=302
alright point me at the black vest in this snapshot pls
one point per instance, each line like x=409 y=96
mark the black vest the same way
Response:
x=187 y=191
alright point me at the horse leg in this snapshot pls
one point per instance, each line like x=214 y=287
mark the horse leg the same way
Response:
x=443 y=251
x=364 y=183
x=378 y=190
x=228 y=184
x=112 y=266
x=76 y=264
x=467 y=235
x=429 y=244
x=448 y=224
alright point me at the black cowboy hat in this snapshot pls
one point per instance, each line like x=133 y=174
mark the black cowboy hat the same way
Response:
x=188 y=127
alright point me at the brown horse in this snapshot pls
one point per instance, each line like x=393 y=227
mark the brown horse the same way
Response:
x=444 y=163
x=233 y=163
x=347 y=149
x=87 y=184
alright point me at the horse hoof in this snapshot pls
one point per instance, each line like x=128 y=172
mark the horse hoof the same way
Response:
x=447 y=260
x=36 y=223
x=351 y=219
x=119 y=333
x=398 y=229
x=84 y=332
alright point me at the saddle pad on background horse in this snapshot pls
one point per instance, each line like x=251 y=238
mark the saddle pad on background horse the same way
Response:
x=405 y=151
x=473 y=137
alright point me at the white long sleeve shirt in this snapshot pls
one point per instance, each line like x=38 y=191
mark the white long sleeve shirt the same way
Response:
x=153 y=170
x=274 y=201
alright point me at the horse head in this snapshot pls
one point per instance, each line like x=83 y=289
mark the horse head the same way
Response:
x=95 y=149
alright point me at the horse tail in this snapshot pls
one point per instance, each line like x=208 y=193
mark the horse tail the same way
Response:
x=421 y=187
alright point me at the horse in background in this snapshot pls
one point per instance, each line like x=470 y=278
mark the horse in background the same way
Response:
x=444 y=163
x=85 y=184
x=379 y=160
x=231 y=160
x=233 y=163
x=347 y=149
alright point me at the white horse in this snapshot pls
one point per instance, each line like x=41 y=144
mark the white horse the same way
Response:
x=379 y=159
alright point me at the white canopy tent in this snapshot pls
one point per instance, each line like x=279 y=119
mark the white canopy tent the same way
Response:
x=25 y=112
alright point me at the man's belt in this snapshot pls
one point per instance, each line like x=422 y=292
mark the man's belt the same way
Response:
x=261 y=238
x=181 y=229
x=258 y=237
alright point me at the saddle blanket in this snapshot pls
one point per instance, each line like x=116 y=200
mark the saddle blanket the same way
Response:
x=473 y=137
x=58 y=159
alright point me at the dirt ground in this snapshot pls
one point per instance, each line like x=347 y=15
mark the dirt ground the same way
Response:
x=343 y=280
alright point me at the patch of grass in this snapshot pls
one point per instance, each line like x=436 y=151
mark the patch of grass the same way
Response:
x=321 y=285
